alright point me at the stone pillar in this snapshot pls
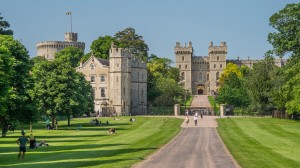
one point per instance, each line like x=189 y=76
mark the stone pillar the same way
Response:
x=176 y=109
x=222 y=110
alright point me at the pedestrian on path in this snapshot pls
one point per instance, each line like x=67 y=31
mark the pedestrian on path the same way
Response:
x=187 y=120
x=201 y=115
x=195 y=120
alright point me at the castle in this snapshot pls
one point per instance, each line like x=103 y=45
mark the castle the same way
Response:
x=48 y=49
x=119 y=84
x=200 y=74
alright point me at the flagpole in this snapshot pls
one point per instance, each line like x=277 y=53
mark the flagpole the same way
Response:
x=70 y=13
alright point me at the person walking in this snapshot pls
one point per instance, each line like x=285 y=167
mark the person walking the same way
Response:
x=187 y=120
x=195 y=120
x=22 y=142
x=201 y=116
x=48 y=124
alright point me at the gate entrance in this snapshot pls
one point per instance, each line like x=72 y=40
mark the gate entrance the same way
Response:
x=200 y=89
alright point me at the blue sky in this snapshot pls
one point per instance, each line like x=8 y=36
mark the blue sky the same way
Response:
x=244 y=25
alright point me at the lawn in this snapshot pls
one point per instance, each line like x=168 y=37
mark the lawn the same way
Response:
x=262 y=142
x=86 y=145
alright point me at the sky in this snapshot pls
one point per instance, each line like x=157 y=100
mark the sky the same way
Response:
x=242 y=24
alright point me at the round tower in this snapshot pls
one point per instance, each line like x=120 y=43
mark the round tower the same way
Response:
x=48 y=49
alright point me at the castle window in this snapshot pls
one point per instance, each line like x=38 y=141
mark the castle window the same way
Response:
x=182 y=76
x=186 y=66
x=215 y=66
x=179 y=66
x=102 y=78
x=182 y=58
x=94 y=89
x=92 y=66
x=217 y=58
x=93 y=79
x=217 y=75
x=221 y=66
x=102 y=92
x=200 y=76
x=207 y=77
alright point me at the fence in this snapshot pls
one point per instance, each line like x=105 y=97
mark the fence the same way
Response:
x=161 y=110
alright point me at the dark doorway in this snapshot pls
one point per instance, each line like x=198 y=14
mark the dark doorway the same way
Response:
x=200 y=91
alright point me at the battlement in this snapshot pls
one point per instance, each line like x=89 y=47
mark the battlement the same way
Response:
x=222 y=49
x=71 y=37
x=183 y=49
x=119 y=52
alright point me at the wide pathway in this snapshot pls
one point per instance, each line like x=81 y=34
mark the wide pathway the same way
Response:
x=195 y=147
x=200 y=101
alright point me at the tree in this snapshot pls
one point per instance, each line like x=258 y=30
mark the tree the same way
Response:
x=129 y=39
x=101 y=46
x=232 y=90
x=70 y=55
x=4 y=27
x=59 y=89
x=19 y=104
x=287 y=23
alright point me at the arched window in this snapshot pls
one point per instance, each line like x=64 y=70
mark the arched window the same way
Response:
x=200 y=76
x=182 y=76
x=217 y=75
x=215 y=66
x=217 y=58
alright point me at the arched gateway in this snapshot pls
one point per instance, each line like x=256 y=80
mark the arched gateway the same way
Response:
x=200 y=89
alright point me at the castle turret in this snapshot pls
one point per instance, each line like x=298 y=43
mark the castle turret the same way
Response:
x=120 y=79
x=48 y=49
x=184 y=63
x=217 y=57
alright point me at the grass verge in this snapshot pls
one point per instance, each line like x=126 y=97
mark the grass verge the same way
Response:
x=262 y=142
x=86 y=145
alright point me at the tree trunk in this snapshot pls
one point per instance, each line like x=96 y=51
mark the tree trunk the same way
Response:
x=69 y=120
x=53 y=120
x=4 y=128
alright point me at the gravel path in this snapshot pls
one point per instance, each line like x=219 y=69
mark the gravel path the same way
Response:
x=195 y=147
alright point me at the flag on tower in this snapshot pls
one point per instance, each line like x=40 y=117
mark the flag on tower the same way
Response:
x=69 y=13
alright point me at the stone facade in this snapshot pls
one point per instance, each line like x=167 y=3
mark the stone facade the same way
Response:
x=48 y=49
x=200 y=74
x=119 y=84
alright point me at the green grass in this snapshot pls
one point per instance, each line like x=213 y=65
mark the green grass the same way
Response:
x=91 y=146
x=262 y=142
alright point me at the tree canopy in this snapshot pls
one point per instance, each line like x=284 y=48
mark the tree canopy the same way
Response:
x=4 y=27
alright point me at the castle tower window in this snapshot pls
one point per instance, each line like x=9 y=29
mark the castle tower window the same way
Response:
x=217 y=75
x=179 y=66
x=200 y=76
x=221 y=66
x=207 y=77
x=217 y=58
x=102 y=78
x=93 y=79
x=182 y=76
x=182 y=58
x=186 y=66
x=215 y=66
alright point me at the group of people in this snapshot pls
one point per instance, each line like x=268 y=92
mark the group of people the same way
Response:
x=187 y=120
x=97 y=122
x=23 y=141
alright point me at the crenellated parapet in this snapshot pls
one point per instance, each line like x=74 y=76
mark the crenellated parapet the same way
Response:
x=222 y=49
x=183 y=49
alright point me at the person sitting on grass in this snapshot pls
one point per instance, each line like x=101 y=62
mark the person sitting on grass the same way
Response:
x=112 y=130
x=42 y=143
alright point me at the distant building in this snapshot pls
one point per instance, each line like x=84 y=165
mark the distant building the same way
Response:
x=119 y=84
x=200 y=74
x=48 y=49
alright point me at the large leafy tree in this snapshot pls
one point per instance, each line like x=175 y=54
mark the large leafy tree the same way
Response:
x=163 y=87
x=19 y=104
x=59 y=89
x=129 y=39
x=4 y=27
x=101 y=46
x=287 y=23
x=70 y=55
x=232 y=89
x=260 y=83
